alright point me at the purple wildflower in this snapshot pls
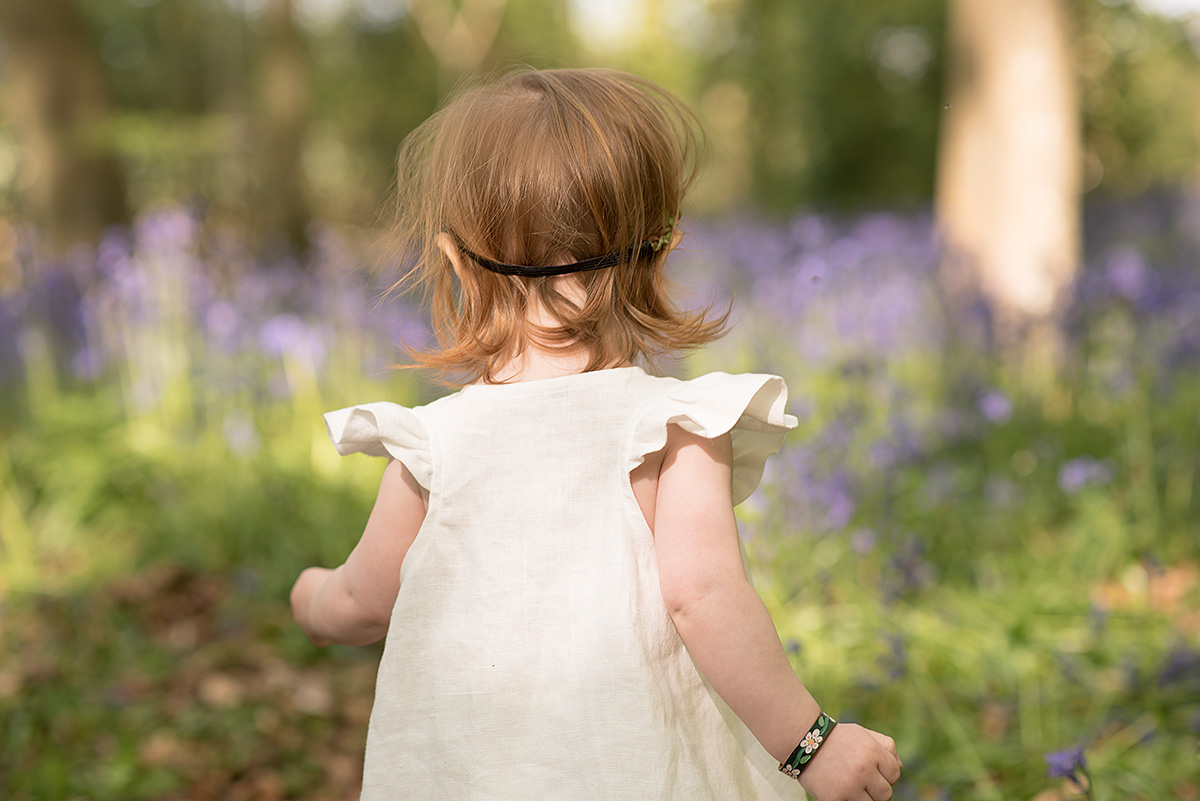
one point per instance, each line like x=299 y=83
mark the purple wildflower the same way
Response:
x=282 y=334
x=1084 y=471
x=1066 y=764
x=907 y=570
x=169 y=229
x=1182 y=666
x=88 y=363
x=995 y=406
x=809 y=231
x=221 y=320
x=1127 y=273
x=839 y=506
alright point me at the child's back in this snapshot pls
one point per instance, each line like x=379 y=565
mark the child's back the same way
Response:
x=530 y=654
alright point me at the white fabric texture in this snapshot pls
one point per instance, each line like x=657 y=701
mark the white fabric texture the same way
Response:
x=530 y=655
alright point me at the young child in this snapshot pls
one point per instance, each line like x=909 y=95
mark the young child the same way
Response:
x=553 y=554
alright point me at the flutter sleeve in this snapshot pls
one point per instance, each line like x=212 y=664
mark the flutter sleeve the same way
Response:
x=749 y=407
x=383 y=429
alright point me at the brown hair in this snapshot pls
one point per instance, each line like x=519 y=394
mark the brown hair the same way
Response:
x=543 y=168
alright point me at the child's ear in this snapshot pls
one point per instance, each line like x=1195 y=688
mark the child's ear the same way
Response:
x=447 y=245
x=676 y=238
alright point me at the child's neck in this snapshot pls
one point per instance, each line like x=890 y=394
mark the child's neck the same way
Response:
x=535 y=364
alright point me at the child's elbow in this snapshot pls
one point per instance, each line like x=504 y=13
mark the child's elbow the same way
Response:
x=368 y=617
x=690 y=596
x=363 y=629
x=375 y=622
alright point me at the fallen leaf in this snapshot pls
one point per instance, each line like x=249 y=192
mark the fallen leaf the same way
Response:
x=1049 y=795
x=220 y=690
x=312 y=695
x=163 y=749
x=260 y=785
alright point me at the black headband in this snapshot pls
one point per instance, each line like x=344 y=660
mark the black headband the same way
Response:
x=595 y=263
x=634 y=251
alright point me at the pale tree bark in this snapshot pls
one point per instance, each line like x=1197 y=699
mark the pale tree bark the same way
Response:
x=458 y=35
x=285 y=105
x=72 y=182
x=1008 y=189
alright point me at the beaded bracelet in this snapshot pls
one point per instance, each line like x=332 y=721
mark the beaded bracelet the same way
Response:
x=807 y=749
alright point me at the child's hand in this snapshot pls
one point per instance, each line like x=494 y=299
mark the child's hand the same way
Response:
x=302 y=592
x=853 y=764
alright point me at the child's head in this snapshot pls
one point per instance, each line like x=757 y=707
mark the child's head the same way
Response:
x=546 y=168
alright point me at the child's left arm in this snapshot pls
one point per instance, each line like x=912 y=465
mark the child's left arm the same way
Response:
x=352 y=605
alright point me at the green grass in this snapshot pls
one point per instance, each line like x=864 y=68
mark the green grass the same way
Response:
x=147 y=652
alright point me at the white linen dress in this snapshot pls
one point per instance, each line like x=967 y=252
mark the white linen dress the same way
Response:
x=530 y=655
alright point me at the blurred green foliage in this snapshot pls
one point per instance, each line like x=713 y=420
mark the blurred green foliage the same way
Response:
x=1140 y=97
x=818 y=104
x=844 y=105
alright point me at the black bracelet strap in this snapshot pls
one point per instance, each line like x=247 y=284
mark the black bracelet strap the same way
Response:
x=807 y=749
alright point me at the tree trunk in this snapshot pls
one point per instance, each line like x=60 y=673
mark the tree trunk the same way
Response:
x=285 y=106
x=72 y=182
x=1008 y=189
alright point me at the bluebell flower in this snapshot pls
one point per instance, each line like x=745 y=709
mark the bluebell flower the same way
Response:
x=282 y=334
x=839 y=506
x=1066 y=764
x=88 y=362
x=221 y=320
x=166 y=229
x=1127 y=272
x=810 y=231
x=907 y=570
x=1084 y=471
x=995 y=406
x=1181 y=667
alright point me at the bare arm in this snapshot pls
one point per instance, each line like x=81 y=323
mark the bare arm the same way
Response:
x=352 y=604
x=729 y=633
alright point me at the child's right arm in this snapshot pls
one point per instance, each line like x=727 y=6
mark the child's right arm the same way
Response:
x=352 y=604
x=730 y=635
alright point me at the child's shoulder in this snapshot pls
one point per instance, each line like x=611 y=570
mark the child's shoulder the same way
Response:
x=751 y=407
x=759 y=395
